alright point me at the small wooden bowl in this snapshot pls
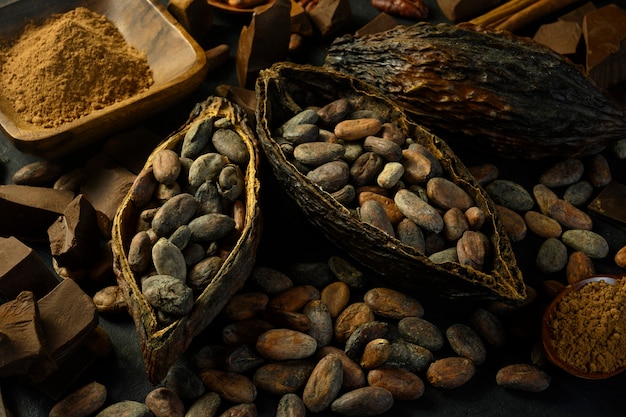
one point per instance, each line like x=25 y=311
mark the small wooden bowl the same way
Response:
x=177 y=61
x=547 y=337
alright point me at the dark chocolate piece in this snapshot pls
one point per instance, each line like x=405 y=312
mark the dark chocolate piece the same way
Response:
x=380 y=23
x=22 y=269
x=464 y=10
x=27 y=212
x=21 y=335
x=195 y=16
x=604 y=30
x=610 y=204
x=331 y=17
x=562 y=36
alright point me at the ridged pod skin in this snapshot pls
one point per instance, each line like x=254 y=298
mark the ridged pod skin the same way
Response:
x=519 y=98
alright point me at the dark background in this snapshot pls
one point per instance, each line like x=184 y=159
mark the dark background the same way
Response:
x=288 y=238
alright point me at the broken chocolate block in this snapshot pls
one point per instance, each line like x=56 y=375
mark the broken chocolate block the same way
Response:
x=195 y=16
x=331 y=17
x=609 y=204
x=300 y=22
x=21 y=335
x=107 y=184
x=22 y=269
x=464 y=10
x=604 y=30
x=264 y=42
x=67 y=317
x=75 y=237
x=562 y=36
x=380 y=23
x=26 y=212
x=577 y=15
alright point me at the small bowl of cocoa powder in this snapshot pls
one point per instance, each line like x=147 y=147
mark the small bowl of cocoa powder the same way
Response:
x=584 y=328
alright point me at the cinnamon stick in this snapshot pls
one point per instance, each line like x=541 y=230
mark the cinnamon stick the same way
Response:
x=533 y=13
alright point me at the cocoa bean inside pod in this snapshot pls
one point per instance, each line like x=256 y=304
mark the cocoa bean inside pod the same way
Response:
x=199 y=232
x=288 y=92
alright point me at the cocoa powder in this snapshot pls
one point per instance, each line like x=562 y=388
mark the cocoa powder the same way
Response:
x=589 y=327
x=69 y=66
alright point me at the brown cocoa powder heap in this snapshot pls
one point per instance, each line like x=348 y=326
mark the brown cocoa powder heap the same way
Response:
x=72 y=64
x=589 y=328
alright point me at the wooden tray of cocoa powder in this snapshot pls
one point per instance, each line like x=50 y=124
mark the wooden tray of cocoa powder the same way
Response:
x=177 y=62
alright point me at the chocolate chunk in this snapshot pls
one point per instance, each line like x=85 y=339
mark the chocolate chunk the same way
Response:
x=562 y=36
x=74 y=237
x=577 y=15
x=380 y=23
x=604 y=30
x=22 y=269
x=263 y=42
x=193 y=15
x=21 y=335
x=27 y=212
x=464 y=10
x=331 y=17
x=609 y=204
x=300 y=22
x=107 y=184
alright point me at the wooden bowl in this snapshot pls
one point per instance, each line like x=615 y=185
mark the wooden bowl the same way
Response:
x=546 y=336
x=284 y=90
x=163 y=343
x=177 y=61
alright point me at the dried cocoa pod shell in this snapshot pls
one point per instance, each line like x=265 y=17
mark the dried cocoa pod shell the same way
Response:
x=283 y=91
x=419 y=65
x=161 y=344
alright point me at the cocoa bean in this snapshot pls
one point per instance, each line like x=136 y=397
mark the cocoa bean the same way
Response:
x=451 y=372
x=418 y=166
x=169 y=260
x=565 y=172
x=410 y=234
x=599 y=171
x=290 y=405
x=551 y=256
x=318 y=153
x=484 y=173
x=230 y=386
x=211 y=227
x=391 y=210
x=284 y=344
x=569 y=216
x=363 y=335
x=375 y=353
x=140 y=192
x=354 y=129
x=241 y=410
x=510 y=195
x=175 y=212
x=334 y=112
x=470 y=250
x=321 y=328
x=388 y=150
x=419 y=211
x=82 y=402
x=578 y=193
x=126 y=408
x=466 y=343
x=488 y=325
x=243 y=359
x=373 y=213
x=350 y=319
x=366 y=168
x=166 y=166
x=110 y=300
x=446 y=194
x=620 y=257
x=293 y=299
x=390 y=175
x=271 y=280
x=389 y=303
x=346 y=272
x=168 y=294
x=402 y=384
x=579 y=267
x=590 y=243
x=392 y=133
x=164 y=402
x=454 y=224
x=197 y=137
x=205 y=406
x=331 y=176
x=421 y=332
x=244 y=331
x=542 y=225
x=513 y=223
x=228 y=143
x=279 y=378
x=353 y=374
x=205 y=168
x=410 y=356
x=336 y=297
x=363 y=402
x=245 y=305
x=523 y=377
x=544 y=197
x=475 y=217
x=323 y=384
x=202 y=273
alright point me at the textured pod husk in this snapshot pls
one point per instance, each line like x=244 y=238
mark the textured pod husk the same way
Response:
x=509 y=95
x=284 y=90
x=161 y=346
